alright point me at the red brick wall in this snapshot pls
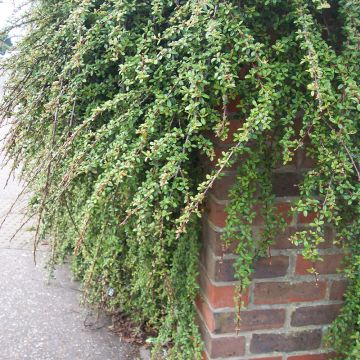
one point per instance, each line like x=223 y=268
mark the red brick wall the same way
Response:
x=287 y=310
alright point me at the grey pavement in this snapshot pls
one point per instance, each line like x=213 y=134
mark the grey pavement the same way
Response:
x=41 y=320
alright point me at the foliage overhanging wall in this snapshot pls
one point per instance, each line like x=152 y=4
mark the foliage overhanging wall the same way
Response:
x=112 y=101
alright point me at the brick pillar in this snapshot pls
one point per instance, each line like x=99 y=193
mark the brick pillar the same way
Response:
x=287 y=310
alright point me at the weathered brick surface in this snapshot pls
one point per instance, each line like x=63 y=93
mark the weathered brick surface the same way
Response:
x=297 y=341
x=222 y=347
x=279 y=316
x=329 y=265
x=306 y=219
x=250 y=320
x=228 y=347
x=286 y=184
x=218 y=270
x=216 y=212
x=205 y=312
x=220 y=188
x=221 y=322
x=337 y=290
x=327 y=356
x=233 y=105
x=281 y=208
x=223 y=269
x=282 y=240
x=286 y=292
x=212 y=239
x=218 y=296
x=275 y=266
x=268 y=358
x=315 y=315
x=304 y=161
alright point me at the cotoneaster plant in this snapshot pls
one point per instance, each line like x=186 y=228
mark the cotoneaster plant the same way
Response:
x=111 y=102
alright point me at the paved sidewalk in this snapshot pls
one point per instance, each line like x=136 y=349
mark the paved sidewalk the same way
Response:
x=40 y=321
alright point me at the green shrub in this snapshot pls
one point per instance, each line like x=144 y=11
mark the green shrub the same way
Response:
x=111 y=102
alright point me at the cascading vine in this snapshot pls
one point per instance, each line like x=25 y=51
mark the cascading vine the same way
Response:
x=111 y=105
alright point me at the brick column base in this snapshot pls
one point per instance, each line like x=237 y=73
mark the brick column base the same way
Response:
x=287 y=309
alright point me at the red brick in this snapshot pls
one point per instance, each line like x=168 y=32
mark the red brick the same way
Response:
x=228 y=347
x=258 y=219
x=308 y=162
x=304 y=161
x=225 y=322
x=329 y=265
x=205 y=312
x=285 y=184
x=312 y=357
x=216 y=212
x=222 y=186
x=315 y=315
x=268 y=358
x=232 y=106
x=281 y=208
x=289 y=166
x=337 y=290
x=329 y=236
x=222 y=347
x=212 y=239
x=282 y=240
x=285 y=292
x=217 y=270
x=218 y=296
x=297 y=125
x=289 y=342
x=306 y=219
x=234 y=126
x=243 y=71
x=222 y=270
x=274 y=266
x=204 y=356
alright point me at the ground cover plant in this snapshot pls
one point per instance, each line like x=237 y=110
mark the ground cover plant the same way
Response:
x=111 y=105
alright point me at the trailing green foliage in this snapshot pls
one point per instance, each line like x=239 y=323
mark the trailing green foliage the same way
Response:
x=111 y=104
